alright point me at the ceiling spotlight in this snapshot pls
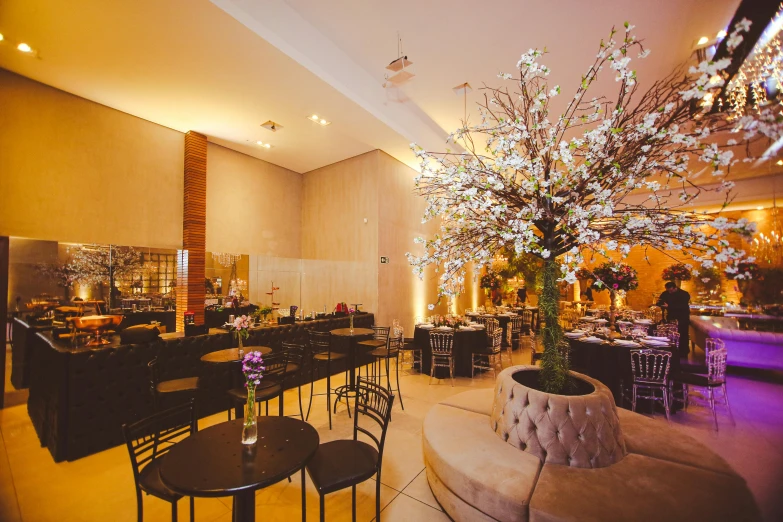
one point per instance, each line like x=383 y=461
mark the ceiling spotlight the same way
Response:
x=721 y=34
x=759 y=208
x=266 y=145
x=703 y=40
x=780 y=162
x=24 y=48
x=320 y=121
x=262 y=144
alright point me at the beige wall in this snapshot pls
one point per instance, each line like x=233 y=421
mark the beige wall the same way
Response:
x=74 y=170
x=253 y=207
x=339 y=248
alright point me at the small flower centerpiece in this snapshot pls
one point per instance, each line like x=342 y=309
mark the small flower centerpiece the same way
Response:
x=676 y=273
x=449 y=321
x=241 y=326
x=253 y=369
x=351 y=313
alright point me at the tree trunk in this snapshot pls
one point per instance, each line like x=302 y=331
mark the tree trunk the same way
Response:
x=554 y=363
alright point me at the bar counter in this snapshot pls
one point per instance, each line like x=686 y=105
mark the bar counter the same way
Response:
x=80 y=396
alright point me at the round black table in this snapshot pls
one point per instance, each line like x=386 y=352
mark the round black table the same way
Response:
x=466 y=342
x=231 y=355
x=352 y=336
x=215 y=463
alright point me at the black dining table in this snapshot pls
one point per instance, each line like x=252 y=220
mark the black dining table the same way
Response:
x=466 y=342
x=215 y=463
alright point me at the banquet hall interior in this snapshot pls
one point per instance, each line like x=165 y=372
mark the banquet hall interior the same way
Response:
x=415 y=261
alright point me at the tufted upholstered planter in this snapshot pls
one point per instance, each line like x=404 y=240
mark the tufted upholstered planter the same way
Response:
x=581 y=431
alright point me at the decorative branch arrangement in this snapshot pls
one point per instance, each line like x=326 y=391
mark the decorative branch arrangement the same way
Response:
x=602 y=176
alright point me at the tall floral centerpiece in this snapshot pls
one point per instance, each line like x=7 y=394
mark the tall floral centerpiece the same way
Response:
x=677 y=273
x=253 y=369
x=615 y=277
x=241 y=326
x=351 y=313
x=602 y=174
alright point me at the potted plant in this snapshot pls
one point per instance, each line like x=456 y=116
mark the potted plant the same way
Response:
x=677 y=273
x=592 y=178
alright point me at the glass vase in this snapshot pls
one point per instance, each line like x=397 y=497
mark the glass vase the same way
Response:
x=350 y=320
x=250 y=429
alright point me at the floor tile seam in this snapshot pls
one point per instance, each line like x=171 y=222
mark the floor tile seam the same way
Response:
x=423 y=469
x=389 y=503
x=422 y=502
x=11 y=475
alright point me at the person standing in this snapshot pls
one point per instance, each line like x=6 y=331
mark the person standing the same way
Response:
x=522 y=294
x=676 y=304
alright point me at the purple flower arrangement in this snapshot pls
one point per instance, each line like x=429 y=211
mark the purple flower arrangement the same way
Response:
x=253 y=368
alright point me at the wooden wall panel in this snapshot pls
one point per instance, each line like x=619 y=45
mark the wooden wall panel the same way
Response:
x=190 y=285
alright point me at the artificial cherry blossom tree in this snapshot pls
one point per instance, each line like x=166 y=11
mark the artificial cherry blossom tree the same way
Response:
x=603 y=175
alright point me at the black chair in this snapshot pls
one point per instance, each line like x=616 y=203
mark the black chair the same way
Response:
x=409 y=345
x=340 y=464
x=322 y=356
x=162 y=389
x=293 y=368
x=386 y=354
x=271 y=386
x=148 y=440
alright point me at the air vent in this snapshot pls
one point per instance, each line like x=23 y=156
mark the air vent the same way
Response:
x=271 y=125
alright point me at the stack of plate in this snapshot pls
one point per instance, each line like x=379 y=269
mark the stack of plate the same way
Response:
x=592 y=340
x=629 y=344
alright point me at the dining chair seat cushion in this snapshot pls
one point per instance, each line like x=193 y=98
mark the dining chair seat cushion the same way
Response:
x=383 y=353
x=263 y=394
x=375 y=343
x=149 y=481
x=342 y=463
x=325 y=356
x=178 y=385
x=291 y=368
x=694 y=379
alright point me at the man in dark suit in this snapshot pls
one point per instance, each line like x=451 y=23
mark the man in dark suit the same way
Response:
x=675 y=303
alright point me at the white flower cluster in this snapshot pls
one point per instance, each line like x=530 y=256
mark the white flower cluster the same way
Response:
x=558 y=186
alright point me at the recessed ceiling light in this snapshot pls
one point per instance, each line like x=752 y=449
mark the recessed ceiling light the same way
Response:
x=320 y=121
x=24 y=48
x=262 y=144
x=703 y=40
x=780 y=162
x=721 y=34
x=759 y=208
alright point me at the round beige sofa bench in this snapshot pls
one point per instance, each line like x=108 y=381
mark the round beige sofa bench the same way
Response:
x=663 y=474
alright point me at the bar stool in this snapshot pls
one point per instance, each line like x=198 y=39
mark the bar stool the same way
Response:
x=187 y=386
x=386 y=353
x=321 y=356
x=296 y=354
x=409 y=347
x=380 y=339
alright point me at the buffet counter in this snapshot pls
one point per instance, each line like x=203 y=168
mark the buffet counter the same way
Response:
x=80 y=396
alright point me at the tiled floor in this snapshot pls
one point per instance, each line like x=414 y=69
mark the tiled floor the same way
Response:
x=100 y=487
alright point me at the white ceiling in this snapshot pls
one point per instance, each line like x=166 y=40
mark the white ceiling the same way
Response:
x=223 y=67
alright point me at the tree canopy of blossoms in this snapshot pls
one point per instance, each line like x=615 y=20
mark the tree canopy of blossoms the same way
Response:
x=604 y=175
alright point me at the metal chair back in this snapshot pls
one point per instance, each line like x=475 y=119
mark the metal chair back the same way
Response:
x=650 y=366
x=373 y=402
x=716 y=365
x=152 y=437
x=441 y=343
x=319 y=342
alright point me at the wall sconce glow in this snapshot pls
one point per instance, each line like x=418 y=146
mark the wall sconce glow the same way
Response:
x=1 y=37
x=759 y=208
x=262 y=144
x=703 y=40
x=320 y=121
x=721 y=34
x=780 y=162
x=24 y=48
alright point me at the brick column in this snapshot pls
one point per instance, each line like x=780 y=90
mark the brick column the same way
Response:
x=191 y=262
